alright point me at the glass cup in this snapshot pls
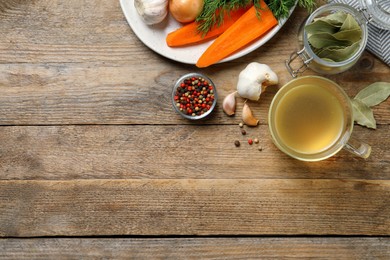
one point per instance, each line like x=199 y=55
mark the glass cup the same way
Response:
x=311 y=119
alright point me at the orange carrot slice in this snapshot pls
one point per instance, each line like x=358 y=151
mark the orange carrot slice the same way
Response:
x=188 y=34
x=245 y=30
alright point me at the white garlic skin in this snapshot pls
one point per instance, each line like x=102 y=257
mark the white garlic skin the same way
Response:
x=253 y=80
x=152 y=11
x=229 y=104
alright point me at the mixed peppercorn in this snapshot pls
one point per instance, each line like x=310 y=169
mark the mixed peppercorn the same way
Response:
x=250 y=141
x=194 y=96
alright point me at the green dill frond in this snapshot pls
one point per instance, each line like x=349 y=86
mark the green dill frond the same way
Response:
x=309 y=5
x=281 y=8
x=214 y=10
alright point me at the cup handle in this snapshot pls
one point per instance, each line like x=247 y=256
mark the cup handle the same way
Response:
x=358 y=148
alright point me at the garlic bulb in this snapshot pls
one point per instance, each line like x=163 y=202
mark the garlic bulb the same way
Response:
x=152 y=11
x=253 y=80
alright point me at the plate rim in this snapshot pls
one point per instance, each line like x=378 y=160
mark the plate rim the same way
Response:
x=246 y=50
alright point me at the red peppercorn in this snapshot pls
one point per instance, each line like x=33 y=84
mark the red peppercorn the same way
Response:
x=250 y=141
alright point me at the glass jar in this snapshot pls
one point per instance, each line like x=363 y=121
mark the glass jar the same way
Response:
x=376 y=12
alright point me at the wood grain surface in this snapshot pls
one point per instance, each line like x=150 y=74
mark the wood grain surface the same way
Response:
x=143 y=151
x=98 y=72
x=94 y=162
x=194 y=207
x=195 y=248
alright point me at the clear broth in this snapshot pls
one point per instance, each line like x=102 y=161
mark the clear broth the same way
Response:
x=309 y=119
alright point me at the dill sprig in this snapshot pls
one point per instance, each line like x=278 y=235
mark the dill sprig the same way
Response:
x=280 y=8
x=214 y=10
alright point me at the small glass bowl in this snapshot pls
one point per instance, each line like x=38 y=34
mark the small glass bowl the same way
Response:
x=197 y=114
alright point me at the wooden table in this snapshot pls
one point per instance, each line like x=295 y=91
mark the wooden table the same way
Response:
x=94 y=162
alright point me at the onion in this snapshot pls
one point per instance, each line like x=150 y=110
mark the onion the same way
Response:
x=185 y=11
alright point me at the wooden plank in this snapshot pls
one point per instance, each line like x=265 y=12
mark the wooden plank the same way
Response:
x=194 y=207
x=65 y=31
x=195 y=248
x=73 y=62
x=195 y=152
x=45 y=31
x=43 y=94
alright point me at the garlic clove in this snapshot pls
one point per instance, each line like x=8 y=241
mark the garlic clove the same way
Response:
x=229 y=104
x=253 y=80
x=152 y=11
x=248 y=117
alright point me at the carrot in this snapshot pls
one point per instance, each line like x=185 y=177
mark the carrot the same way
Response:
x=188 y=34
x=245 y=30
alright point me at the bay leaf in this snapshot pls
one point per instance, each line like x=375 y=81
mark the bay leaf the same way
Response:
x=353 y=35
x=362 y=114
x=322 y=40
x=336 y=19
x=331 y=42
x=339 y=54
x=328 y=59
x=374 y=94
x=320 y=26
x=349 y=23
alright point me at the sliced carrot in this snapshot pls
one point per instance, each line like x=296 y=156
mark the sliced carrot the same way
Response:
x=245 y=30
x=188 y=34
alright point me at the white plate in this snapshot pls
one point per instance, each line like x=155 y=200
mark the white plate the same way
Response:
x=154 y=36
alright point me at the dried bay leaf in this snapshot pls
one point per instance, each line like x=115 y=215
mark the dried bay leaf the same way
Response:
x=334 y=37
x=353 y=35
x=321 y=26
x=329 y=59
x=336 y=19
x=362 y=114
x=322 y=40
x=349 y=23
x=374 y=93
x=339 y=54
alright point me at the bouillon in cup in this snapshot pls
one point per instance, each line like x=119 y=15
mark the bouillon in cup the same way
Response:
x=311 y=119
